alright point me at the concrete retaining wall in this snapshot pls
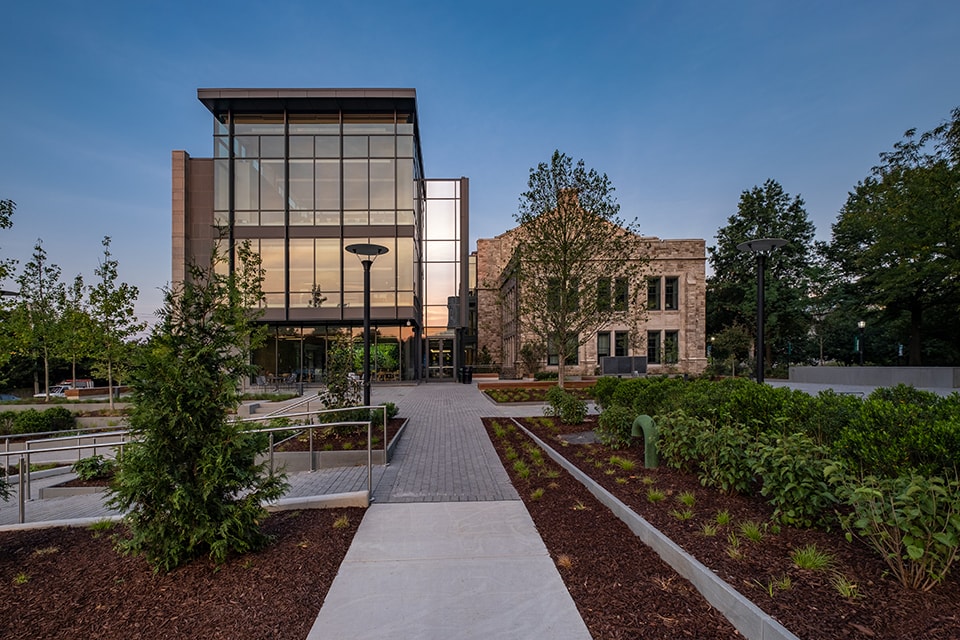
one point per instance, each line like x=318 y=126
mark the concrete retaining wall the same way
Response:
x=920 y=377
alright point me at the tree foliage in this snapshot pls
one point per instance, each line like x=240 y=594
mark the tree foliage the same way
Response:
x=112 y=309
x=35 y=317
x=897 y=238
x=7 y=207
x=189 y=484
x=573 y=250
x=763 y=212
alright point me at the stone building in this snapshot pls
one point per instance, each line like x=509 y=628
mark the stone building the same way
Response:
x=669 y=331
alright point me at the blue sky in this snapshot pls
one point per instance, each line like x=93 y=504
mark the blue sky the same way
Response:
x=682 y=104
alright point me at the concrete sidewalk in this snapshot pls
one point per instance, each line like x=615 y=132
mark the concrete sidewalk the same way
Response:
x=447 y=550
x=448 y=570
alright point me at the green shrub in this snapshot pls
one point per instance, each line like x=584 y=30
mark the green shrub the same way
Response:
x=94 y=468
x=614 y=427
x=678 y=439
x=912 y=521
x=831 y=413
x=650 y=396
x=792 y=471
x=568 y=407
x=7 y=422
x=724 y=462
x=52 y=419
x=545 y=375
x=603 y=390
x=874 y=442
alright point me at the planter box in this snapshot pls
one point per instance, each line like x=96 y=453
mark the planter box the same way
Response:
x=66 y=492
x=299 y=461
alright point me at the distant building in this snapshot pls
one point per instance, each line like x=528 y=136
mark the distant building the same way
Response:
x=301 y=174
x=672 y=325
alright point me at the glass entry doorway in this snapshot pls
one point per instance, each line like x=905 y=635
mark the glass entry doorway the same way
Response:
x=440 y=358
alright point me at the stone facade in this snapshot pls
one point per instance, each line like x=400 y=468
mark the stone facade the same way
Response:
x=678 y=266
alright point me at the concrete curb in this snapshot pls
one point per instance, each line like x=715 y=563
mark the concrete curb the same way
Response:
x=47 y=524
x=331 y=501
x=747 y=617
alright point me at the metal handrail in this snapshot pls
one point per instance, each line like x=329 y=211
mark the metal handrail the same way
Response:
x=27 y=452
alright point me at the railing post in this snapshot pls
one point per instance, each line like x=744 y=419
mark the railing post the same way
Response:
x=23 y=515
x=271 y=452
x=386 y=443
x=370 y=460
x=28 y=470
x=313 y=464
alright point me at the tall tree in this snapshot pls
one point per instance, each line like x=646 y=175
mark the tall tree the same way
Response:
x=7 y=207
x=897 y=238
x=112 y=308
x=578 y=265
x=77 y=330
x=763 y=212
x=35 y=317
x=189 y=484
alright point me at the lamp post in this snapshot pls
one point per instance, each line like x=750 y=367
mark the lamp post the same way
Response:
x=367 y=254
x=762 y=247
x=861 y=326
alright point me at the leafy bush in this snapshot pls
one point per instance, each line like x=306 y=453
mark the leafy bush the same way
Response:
x=830 y=414
x=52 y=419
x=912 y=521
x=678 y=442
x=603 y=390
x=724 y=462
x=7 y=422
x=545 y=375
x=568 y=407
x=94 y=468
x=889 y=437
x=792 y=469
x=614 y=427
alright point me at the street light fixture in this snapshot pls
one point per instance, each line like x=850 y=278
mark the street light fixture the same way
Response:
x=861 y=325
x=762 y=247
x=367 y=254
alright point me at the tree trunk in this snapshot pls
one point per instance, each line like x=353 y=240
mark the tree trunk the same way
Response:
x=110 y=382
x=916 y=317
x=561 y=366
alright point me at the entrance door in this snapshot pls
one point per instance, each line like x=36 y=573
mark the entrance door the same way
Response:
x=439 y=358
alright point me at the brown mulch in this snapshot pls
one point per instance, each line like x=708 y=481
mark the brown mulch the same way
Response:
x=71 y=583
x=333 y=442
x=806 y=602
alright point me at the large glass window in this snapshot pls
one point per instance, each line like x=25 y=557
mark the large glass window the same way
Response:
x=328 y=186
x=355 y=184
x=328 y=257
x=603 y=345
x=621 y=343
x=274 y=266
x=671 y=293
x=671 y=347
x=621 y=291
x=382 y=184
x=301 y=184
x=653 y=347
x=653 y=294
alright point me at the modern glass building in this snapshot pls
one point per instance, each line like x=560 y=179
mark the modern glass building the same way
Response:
x=301 y=174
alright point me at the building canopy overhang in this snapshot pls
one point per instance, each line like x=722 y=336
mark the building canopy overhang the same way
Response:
x=305 y=100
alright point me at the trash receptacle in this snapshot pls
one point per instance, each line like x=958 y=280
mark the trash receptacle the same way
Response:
x=468 y=375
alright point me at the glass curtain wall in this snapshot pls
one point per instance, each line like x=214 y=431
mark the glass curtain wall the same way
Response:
x=442 y=276
x=300 y=187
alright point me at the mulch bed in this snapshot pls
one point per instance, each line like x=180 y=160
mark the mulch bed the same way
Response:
x=71 y=583
x=332 y=442
x=806 y=602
